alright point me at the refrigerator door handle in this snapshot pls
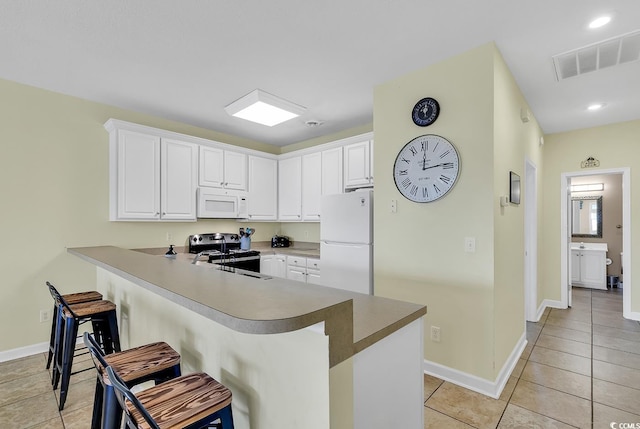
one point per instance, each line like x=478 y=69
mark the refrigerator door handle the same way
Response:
x=343 y=244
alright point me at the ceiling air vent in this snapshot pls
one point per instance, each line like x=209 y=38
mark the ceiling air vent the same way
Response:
x=611 y=52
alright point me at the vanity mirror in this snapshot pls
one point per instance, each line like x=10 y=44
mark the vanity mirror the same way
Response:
x=586 y=217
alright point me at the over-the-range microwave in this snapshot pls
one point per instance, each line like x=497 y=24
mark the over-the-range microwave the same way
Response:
x=221 y=203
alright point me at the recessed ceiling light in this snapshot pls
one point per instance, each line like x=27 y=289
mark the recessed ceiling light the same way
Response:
x=599 y=22
x=264 y=108
x=595 y=106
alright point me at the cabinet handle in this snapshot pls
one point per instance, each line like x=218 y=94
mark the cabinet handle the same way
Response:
x=157 y=213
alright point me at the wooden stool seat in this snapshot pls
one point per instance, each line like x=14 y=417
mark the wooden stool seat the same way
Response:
x=194 y=399
x=78 y=297
x=86 y=309
x=140 y=362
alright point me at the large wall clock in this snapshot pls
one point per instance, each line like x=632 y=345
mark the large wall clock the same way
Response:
x=426 y=168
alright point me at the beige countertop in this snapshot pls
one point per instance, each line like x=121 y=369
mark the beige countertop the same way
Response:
x=353 y=321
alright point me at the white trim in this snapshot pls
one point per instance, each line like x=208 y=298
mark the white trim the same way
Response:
x=492 y=389
x=551 y=304
x=25 y=351
x=530 y=239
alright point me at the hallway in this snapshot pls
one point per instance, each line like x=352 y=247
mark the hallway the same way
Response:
x=581 y=365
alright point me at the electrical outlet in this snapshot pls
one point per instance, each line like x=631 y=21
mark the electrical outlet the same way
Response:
x=169 y=237
x=435 y=334
x=394 y=206
x=306 y=234
x=45 y=315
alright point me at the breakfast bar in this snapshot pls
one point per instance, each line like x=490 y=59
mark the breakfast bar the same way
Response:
x=294 y=355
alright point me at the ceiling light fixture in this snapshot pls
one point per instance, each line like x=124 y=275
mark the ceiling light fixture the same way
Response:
x=595 y=106
x=599 y=22
x=264 y=108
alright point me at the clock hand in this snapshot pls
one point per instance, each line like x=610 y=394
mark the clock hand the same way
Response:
x=424 y=160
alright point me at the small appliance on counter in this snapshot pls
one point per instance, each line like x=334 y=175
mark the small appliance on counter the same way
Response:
x=280 y=241
x=171 y=253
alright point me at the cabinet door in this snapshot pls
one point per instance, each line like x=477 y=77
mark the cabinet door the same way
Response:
x=331 y=174
x=575 y=267
x=357 y=165
x=297 y=273
x=267 y=265
x=593 y=268
x=235 y=170
x=311 y=186
x=290 y=189
x=178 y=180
x=211 y=167
x=280 y=266
x=313 y=277
x=138 y=176
x=262 y=203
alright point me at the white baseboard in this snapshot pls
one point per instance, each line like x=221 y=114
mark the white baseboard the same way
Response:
x=24 y=351
x=633 y=315
x=548 y=303
x=475 y=383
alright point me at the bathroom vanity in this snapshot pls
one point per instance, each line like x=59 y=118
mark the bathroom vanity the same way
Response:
x=589 y=265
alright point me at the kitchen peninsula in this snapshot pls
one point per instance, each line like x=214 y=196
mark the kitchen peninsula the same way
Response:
x=294 y=355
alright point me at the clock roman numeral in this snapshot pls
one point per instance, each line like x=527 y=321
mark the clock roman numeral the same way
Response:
x=414 y=190
x=446 y=180
x=406 y=160
x=406 y=182
x=436 y=188
x=425 y=193
x=413 y=150
x=423 y=146
x=403 y=172
x=435 y=147
x=445 y=153
x=447 y=165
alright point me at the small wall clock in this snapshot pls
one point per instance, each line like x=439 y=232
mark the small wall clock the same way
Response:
x=426 y=168
x=425 y=112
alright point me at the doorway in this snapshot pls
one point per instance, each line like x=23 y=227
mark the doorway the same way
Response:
x=566 y=236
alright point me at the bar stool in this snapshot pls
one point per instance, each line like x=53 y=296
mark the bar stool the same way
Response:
x=156 y=361
x=191 y=401
x=71 y=298
x=101 y=314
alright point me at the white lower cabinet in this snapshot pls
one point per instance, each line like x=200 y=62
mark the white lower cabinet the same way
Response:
x=302 y=269
x=589 y=268
x=273 y=265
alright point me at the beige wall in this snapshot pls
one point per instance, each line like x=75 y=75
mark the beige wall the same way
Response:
x=468 y=294
x=54 y=189
x=615 y=146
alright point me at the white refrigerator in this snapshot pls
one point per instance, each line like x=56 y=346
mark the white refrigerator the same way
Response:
x=346 y=241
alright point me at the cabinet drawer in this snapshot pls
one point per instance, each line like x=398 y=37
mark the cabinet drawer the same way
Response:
x=297 y=261
x=313 y=263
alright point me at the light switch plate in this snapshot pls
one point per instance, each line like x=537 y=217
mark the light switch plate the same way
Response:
x=470 y=244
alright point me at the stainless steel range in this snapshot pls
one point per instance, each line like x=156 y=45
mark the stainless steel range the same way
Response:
x=224 y=249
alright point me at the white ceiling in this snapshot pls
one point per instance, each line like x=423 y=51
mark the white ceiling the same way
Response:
x=186 y=60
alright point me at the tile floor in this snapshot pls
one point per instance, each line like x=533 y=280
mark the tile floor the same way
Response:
x=581 y=365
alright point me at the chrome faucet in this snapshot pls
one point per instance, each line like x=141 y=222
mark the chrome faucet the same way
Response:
x=199 y=255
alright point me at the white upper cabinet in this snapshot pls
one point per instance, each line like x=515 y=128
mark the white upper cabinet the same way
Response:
x=222 y=169
x=290 y=189
x=138 y=177
x=311 y=186
x=152 y=178
x=178 y=180
x=262 y=201
x=358 y=164
x=331 y=175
